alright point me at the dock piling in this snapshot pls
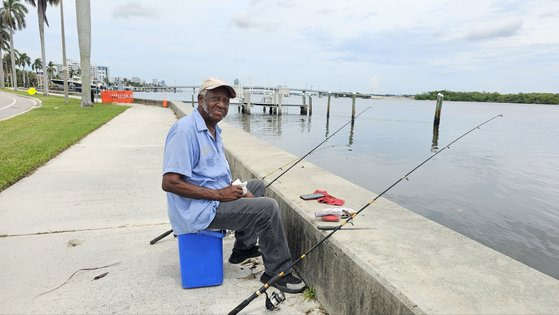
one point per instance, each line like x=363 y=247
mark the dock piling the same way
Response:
x=280 y=100
x=246 y=103
x=304 y=107
x=328 y=106
x=437 y=120
x=353 y=106
x=193 y=92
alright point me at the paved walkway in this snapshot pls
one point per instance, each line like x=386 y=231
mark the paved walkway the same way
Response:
x=12 y=105
x=99 y=203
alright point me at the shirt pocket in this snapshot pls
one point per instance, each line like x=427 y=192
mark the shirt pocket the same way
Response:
x=208 y=157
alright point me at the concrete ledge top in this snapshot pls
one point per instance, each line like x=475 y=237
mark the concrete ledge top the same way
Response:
x=429 y=267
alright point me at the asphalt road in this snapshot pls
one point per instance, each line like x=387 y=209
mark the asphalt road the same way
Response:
x=12 y=105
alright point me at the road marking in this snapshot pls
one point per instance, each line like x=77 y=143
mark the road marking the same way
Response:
x=35 y=103
x=11 y=104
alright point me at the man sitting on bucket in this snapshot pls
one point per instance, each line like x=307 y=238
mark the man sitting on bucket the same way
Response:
x=200 y=194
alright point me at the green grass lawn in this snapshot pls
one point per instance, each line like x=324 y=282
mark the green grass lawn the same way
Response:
x=29 y=140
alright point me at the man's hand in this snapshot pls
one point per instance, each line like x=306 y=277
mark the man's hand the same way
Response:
x=230 y=193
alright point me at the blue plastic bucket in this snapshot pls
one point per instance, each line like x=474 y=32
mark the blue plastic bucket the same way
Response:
x=201 y=258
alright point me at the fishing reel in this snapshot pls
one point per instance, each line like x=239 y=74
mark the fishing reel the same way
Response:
x=274 y=300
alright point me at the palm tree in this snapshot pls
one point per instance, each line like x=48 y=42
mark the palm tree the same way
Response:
x=6 y=61
x=13 y=16
x=24 y=60
x=41 y=13
x=64 y=64
x=16 y=54
x=35 y=66
x=83 y=18
x=3 y=46
x=51 y=69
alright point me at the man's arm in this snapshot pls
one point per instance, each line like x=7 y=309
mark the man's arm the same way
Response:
x=173 y=182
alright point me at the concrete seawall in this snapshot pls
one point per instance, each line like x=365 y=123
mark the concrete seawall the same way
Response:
x=147 y=102
x=403 y=263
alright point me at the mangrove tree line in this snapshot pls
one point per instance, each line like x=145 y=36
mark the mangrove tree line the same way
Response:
x=525 y=98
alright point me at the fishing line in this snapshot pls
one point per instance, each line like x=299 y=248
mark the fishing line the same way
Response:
x=295 y=160
x=275 y=278
x=311 y=151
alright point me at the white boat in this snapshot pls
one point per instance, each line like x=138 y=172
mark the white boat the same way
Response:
x=75 y=84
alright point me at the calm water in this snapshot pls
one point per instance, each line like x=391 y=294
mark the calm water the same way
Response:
x=497 y=185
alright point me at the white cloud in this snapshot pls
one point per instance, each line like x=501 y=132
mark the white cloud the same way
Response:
x=244 y=20
x=133 y=9
x=501 y=29
x=374 y=84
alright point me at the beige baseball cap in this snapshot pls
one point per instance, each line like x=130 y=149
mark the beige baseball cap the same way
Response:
x=213 y=83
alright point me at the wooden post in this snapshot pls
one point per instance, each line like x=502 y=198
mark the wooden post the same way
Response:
x=328 y=106
x=310 y=104
x=193 y=92
x=275 y=102
x=280 y=100
x=435 y=141
x=353 y=106
x=248 y=101
x=304 y=107
x=440 y=98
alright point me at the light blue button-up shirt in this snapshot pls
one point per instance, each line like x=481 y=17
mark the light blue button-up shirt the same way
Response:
x=190 y=150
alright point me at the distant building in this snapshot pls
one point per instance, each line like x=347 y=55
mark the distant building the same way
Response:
x=98 y=73
x=135 y=80
x=73 y=65
x=162 y=83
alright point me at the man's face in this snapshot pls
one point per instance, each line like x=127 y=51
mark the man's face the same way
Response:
x=216 y=104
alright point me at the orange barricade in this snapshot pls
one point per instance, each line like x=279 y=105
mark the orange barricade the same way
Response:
x=116 y=96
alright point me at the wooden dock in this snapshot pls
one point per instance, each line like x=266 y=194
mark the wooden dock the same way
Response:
x=273 y=98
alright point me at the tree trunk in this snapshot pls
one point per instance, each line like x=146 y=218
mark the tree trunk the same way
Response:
x=64 y=64
x=2 y=84
x=83 y=18
x=13 y=57
x=42 y=35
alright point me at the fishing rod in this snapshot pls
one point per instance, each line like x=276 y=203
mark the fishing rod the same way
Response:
x=160 y=237
x=275 y=278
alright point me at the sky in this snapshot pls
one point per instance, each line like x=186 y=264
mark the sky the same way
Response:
x=381 y=46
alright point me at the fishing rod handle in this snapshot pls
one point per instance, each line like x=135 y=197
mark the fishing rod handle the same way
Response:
x=241 y=306
x=259 y=292
x=157 y=239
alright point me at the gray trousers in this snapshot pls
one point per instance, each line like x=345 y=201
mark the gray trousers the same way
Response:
x=255 y=219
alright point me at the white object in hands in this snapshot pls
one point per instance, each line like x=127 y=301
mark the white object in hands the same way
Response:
x=238 y=182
